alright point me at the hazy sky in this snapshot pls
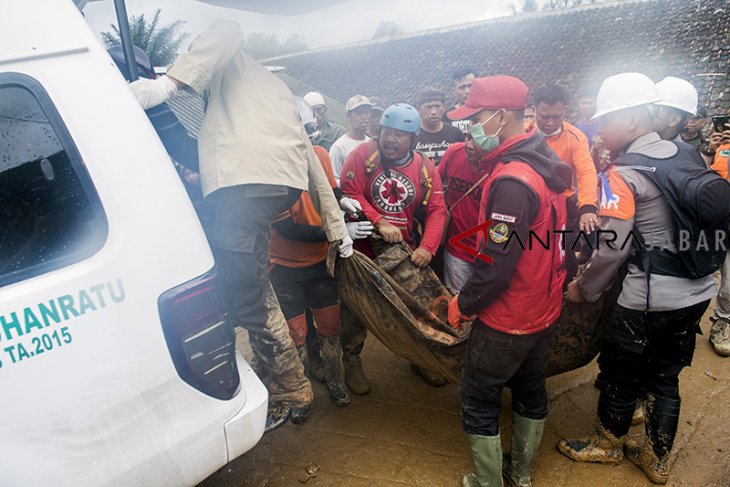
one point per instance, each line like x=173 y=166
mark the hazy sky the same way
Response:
x=348 y=22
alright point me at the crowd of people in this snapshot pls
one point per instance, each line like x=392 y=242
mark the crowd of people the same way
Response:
x=283 y=184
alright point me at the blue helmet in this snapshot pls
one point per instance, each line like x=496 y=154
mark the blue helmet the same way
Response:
x=401 y=116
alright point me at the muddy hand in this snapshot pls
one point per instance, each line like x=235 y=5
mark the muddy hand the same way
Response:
x=421 y=257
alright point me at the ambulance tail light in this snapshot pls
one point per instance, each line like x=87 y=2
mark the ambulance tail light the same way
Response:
x=201 y=341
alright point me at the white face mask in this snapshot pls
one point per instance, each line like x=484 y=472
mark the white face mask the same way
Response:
x=557 y=132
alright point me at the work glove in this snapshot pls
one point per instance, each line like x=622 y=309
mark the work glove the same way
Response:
x=345 y=248
x=359 y=230
x=350 y=206
x=456 y=319
x=152 y=92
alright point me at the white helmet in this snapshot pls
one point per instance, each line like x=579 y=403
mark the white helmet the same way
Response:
x=306 y=116
x=314 y=99
x=678 y=93
x=625 y=90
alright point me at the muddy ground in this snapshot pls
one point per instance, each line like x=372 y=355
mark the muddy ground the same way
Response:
x=406 y=433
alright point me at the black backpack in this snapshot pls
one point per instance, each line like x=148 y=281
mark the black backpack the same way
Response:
x=699 y=203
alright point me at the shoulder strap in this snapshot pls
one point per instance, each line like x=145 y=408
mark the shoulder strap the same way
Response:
x=370 y=163
x=426 y=181
x=474 y=186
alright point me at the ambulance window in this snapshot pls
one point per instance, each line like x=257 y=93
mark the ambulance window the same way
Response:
x=50 y=215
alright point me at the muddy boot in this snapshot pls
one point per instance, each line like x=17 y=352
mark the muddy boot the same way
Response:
x=430 y=378
x=316 y=365
x=639 y=414
x=334 y=370
x=304 y=357
x=276 y=415
x=719 y=337
x=293 y=388
x=526 y=436
x=606 y=443
x=599 y=447
x=662 y=418
x=486 y=453
x=355 y=378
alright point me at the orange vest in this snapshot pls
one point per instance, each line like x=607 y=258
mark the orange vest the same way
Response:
x=293 y=253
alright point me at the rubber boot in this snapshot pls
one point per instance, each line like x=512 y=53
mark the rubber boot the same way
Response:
x=316 y=365
x=486 y=453
x=720 y=337
x=355 y=378
x=652 y=457
x=606 y=443
x=526 y=437
x=430 y=378
x=334 y=371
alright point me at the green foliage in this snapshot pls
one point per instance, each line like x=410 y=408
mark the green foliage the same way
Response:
x=160 y=42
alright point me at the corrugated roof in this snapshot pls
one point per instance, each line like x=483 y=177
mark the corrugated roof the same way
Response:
x=575 y=47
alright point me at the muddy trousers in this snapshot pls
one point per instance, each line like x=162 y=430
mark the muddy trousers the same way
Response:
x=299 y=289
x=643 y=353
x=241 y=237
x=722 y=303
x=496 y=360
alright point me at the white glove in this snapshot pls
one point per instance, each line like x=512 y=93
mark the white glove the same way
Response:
x=345 y=248
x=350 y=205
x=152 y=92
x=359 y=230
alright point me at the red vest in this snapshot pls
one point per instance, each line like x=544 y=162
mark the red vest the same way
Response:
x=535 y=295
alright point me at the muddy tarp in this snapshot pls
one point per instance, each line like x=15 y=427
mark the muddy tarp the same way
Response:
x=406 y=309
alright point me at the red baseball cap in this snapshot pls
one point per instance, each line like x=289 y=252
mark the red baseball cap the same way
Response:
x=492 y=93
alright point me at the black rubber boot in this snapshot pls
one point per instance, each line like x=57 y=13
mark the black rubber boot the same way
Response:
x=662 y=419
x=335 y=371
x=316 y=365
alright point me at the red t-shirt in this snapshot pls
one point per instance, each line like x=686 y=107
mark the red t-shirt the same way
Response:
x=458 y=177
x=397 y=193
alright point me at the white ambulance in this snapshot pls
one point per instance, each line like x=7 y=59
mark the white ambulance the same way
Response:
x=117 y=366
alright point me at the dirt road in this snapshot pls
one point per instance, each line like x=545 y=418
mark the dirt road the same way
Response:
x=406 y=433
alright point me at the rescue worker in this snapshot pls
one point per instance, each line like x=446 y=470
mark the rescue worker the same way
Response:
x=571 y=146
x=720 y=331
x=251 y=177
x=650 y=336
x=298 y=256
x=678 y=103
x=329 y=132
x=391 y=182
x=462 y=176
x=515 y=293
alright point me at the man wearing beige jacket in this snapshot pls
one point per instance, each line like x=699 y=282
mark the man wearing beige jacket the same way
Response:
x=255 y=160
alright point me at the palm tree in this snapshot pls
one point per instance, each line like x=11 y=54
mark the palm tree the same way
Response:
x=160 y=42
